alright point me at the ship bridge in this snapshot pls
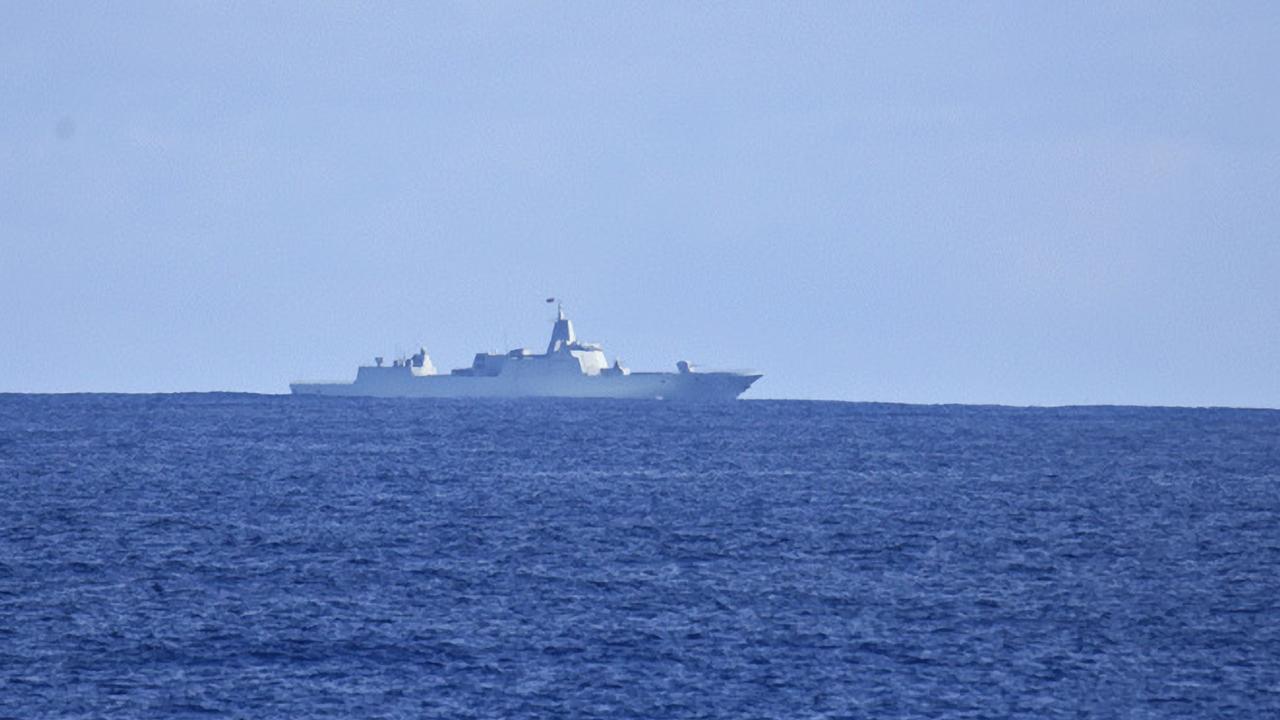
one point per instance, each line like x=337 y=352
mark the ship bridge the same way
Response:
x=564 y=340
x=563 y=351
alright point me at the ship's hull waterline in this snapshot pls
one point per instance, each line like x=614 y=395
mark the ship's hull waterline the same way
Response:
x=638 y=386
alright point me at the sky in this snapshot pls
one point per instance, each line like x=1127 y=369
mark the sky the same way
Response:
x=1017 y=203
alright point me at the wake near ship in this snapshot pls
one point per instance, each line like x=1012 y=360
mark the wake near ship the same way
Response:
x=568 y=368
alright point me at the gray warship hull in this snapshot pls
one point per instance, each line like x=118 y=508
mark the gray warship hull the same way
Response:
x=568 y=369
x=637 y=385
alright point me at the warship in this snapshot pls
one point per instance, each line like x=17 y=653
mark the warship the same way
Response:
x=569 y=369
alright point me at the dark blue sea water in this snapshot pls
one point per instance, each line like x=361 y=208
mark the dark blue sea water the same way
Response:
x=256 y=557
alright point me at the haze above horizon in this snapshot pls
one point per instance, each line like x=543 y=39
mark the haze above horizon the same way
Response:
x=1007 y=203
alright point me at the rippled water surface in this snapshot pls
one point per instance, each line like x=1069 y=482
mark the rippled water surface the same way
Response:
x=253 y=556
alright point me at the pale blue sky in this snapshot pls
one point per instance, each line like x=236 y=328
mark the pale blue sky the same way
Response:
x=1025 y=202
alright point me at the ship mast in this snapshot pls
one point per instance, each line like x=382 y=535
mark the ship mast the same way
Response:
x=562 y=334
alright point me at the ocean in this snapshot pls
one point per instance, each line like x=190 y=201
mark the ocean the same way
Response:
x=242 y=556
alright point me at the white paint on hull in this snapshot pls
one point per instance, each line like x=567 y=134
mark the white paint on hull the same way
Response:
x=648 y=386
